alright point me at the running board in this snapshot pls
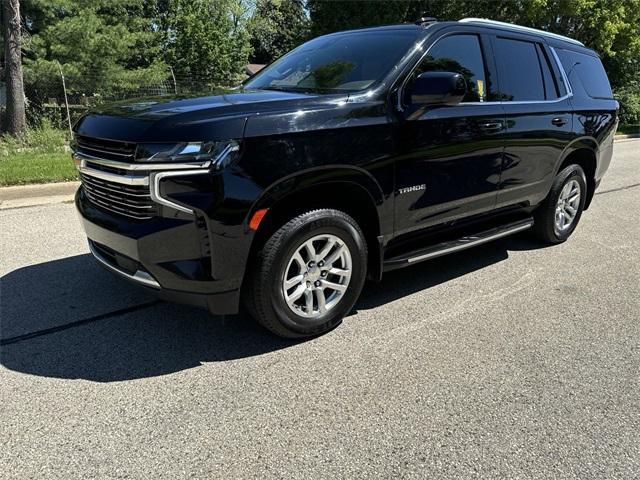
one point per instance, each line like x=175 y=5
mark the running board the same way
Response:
x=457 y=245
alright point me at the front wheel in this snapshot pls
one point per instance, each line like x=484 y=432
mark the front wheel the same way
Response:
x=558 y=216
x=308 y=275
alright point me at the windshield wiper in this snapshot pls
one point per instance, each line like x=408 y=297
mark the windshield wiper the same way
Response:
x=301 y=89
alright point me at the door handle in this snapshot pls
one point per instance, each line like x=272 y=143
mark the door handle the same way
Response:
x=559 y=121
x=491 y=125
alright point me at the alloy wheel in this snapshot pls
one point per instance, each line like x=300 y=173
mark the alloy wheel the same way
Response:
x=317 y=276
x=567 y=206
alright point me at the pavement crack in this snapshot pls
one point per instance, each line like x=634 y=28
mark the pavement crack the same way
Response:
x=78 y=323
x=619 y=189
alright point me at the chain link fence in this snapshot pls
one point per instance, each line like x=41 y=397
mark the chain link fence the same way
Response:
x=64 y=100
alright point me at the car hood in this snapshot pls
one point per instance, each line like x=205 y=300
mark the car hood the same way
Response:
x=183 y=118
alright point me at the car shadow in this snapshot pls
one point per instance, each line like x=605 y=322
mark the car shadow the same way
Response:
x=70 y=319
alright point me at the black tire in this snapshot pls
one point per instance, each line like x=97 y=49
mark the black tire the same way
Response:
x=263 y=292
x=545 y=227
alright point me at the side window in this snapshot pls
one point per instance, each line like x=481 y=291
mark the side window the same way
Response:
x=589 y=70
x=550 y=84
x=519 y=70
x=461 y=54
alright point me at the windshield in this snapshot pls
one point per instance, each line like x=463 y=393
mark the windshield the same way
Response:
x=336 y=63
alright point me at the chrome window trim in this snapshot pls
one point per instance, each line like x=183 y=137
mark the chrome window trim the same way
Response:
x=486 y=21
x=563 y=74
x=140 y=277
x=408 y=76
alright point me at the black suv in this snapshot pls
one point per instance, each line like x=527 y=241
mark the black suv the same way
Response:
x=356 y=153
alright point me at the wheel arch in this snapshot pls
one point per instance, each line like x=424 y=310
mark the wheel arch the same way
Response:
x=584 y=152
x=359 y=195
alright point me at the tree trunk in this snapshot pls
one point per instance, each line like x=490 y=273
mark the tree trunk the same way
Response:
x=15 y=120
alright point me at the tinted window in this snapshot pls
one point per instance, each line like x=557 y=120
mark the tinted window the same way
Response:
x=588 y=70
x=461 y=54
x=550 y=85
x=519 y=73
x=337 y=63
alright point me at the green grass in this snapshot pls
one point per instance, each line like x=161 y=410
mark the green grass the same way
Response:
x=626 y=129
x=19 y=168
x=37 y=157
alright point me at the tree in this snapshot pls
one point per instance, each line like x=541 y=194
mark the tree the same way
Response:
x=105 y=47
x=208 y=40
x=15 y=117
x=276 y=27
x=327 y=17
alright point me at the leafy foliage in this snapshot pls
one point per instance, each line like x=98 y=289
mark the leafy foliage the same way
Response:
x=112 y=47
x=629 y=98
x=276 y=27
x=207 y=38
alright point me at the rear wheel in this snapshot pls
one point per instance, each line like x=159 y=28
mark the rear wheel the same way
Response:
x=308 y=275
x=558 y=216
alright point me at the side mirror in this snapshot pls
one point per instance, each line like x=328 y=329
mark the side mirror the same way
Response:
x=438 y=88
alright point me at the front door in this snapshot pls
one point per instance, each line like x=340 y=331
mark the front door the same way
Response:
x=451 y=156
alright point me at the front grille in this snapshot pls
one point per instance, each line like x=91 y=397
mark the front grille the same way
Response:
x=133 y=201
x=107 y=149
x=106 y=168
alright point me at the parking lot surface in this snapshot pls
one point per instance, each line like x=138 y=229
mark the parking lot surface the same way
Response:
x=511 y=359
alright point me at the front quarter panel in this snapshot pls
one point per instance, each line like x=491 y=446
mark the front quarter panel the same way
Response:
x=345 y=140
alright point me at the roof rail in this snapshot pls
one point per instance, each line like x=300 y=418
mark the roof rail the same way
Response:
x=425 y=20
x=486 y=21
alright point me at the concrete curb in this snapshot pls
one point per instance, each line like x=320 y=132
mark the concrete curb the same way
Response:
x=49 y=193
x=627 y=136
x=40 y=194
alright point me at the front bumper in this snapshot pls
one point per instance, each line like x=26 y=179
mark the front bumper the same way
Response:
x=170 y=257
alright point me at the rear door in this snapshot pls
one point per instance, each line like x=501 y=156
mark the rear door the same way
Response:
x=451 y=156
x=538 y=117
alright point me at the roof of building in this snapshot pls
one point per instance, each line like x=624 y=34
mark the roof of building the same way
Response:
x=253 y=68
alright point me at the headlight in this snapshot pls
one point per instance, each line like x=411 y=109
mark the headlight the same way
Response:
x=221 y=153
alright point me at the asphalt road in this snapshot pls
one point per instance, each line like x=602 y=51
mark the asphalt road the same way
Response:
x=509 y=360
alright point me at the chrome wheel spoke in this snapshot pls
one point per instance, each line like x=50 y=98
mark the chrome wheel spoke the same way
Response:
x=340 y=272
x=292 y=282
x=311 y=251
x=299 y=260
x=296 y=294
x=322 y=306
x=334 y=286
x=325 y=250
x=308 y=300
x=334 y=256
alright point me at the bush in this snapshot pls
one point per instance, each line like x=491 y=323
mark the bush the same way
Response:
x=629 y=98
